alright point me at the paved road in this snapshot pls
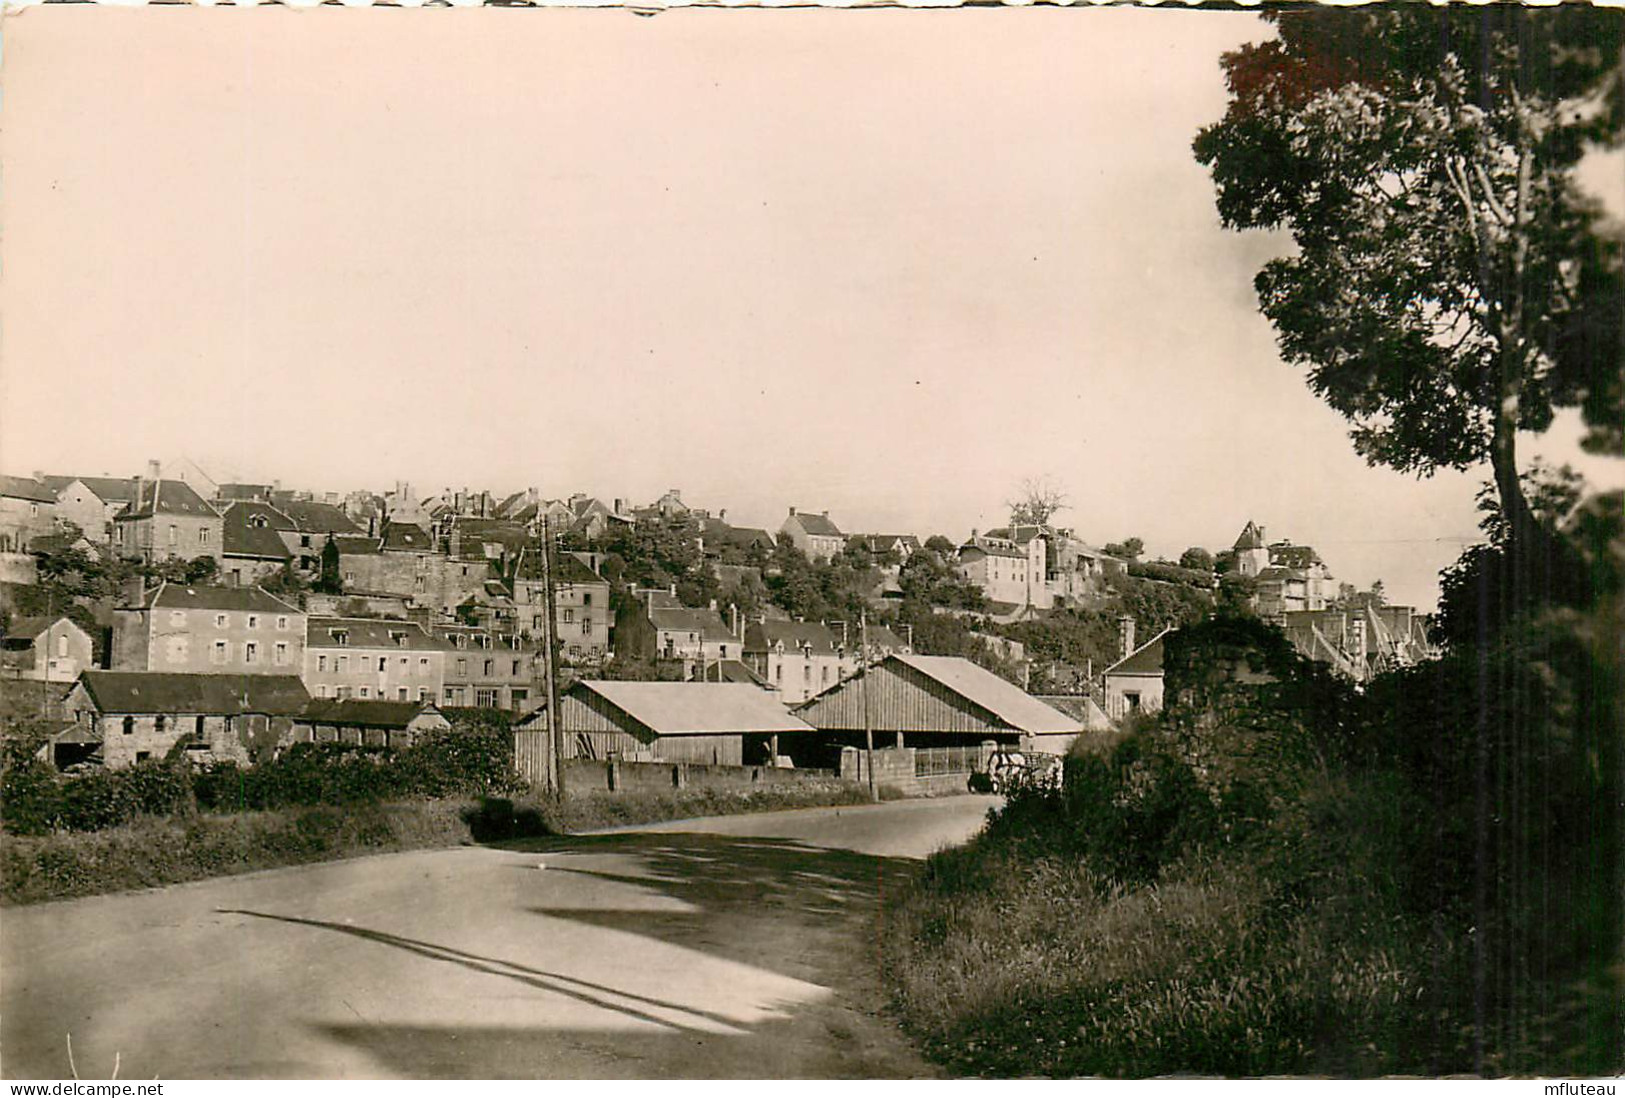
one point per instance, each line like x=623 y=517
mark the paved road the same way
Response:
x=734 y=947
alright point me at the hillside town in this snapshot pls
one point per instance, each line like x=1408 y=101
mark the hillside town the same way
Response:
x=169 y=612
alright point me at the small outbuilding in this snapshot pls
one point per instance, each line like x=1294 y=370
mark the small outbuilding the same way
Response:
x=682 y=722
x=931 y=701
x=379 y=723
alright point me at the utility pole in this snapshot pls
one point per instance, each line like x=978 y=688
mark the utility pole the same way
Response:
x=868 y=720
x=548 y=627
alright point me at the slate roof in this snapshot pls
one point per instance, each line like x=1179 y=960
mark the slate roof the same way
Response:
x=372 y=633
x=243 y=536
x=106 y=489
x=695 y=708
x=31 y=627
x=880 y=543
x=1080 y=707
x=176 y=596
x=1252 y=537
x=816 y=524
x=732 y=671
x=794 y=635
x=999 y=547
x=228 y=695
x=26 y=488
x=1144 y=660
x=167 y=497
x=567 y=568
x=1294 y=556
x=363 y=713
x=682 y=619
x=406 y=537
x=311 y=517
x=1005 y=700
x=243 y=491
x=355 y=545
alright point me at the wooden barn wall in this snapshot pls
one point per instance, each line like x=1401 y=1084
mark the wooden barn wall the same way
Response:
x=717 y=750
x=900 y=700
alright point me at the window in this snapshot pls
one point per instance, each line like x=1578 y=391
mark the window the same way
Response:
x=219 y=653
x=340 y=636
x=516 y=667
x=158 y=723
x=569 y=615
x=200 y=734
x=383 y=663
x=203 y=535
x=279 y=655
x=343 y=663
x=128 y=725
x=423 y=693
x=586 y=598
x=341 y=692
x=398 y=638
x=251 y=652
x=401 y=693
x=806 y=672
x=462 y=668
x=253 y=621
x=490 y=668
x=404 y=663
x=321 y=663
x=321 y=690
x=177 y=617
x=142 y=756
x=485 y=699
x=365 y=692
x=520 y=696
x=220 y=621
x=61 y=645
x=423 y=665
x=1133 y=701
x=586 y=628
x=778 y=673
x=174 y=535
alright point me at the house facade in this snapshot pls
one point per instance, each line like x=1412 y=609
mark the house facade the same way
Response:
x=491 y=670
x=27 y=511
x=92 y=503
x=374 y=723
x=582 y=618
x=1134 y=684
x=405 y=561
x=168 y=520
x=797 y=659
x=1009 y=572
x=209 y=630
x=374 y=659
x=45 y=649
x=139 y=715
x=813 y=533
x=1290 y=578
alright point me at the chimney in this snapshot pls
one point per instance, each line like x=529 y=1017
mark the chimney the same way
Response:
x=39 y=475
x=826 y=514
x=456 y=541
x=620 y=509
x=973 y=533
x=134 y=591
x=792 y=512
x=713 y=606
x=722 y=515
x=1125 y=635
x=674 y=590
x=152 y=470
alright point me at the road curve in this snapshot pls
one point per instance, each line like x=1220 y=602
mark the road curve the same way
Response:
x=737 y=947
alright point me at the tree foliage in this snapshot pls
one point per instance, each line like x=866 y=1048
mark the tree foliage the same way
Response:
x=1452 y=283
x=1037 y=501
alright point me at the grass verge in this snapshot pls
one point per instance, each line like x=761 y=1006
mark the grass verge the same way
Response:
x=153 y=851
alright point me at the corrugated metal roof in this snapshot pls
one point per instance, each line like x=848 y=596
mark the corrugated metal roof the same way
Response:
x=1005 y=700
x=696 y=708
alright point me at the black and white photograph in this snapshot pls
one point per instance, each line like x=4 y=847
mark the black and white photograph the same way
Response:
x=662 y=541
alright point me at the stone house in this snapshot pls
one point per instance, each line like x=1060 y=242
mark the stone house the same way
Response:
x=491 y=670
x=92 y=503
x=582 y=620
x=375 y=723
x=232 y=631
x=1134 y=684
x=653 y=625
x=374 y=658
x=814 y=534
x=139 y=715
x=253 y=545
x=406 y=561
x=45 y=649
x=1290 y=578
x=168 y=520
x=1010 y=573
x=27 y=511
x=798 y=659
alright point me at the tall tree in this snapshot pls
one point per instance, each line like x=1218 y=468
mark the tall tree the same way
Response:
x=1452 y=284
x=1038 y=501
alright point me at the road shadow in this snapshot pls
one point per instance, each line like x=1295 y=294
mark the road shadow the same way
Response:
x=802 y=912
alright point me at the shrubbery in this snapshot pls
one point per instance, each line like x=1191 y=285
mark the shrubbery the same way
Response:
x=35 y=799
x=1290 y=878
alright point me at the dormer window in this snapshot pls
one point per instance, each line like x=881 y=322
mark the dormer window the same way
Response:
x=398 y=637
x=340 y=636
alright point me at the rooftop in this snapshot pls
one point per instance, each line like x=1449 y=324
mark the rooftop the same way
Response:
x=695 y=708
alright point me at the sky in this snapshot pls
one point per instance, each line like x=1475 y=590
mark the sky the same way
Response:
x=885 y=263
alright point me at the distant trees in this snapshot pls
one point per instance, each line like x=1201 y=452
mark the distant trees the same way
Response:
x=1128 y=549
x=1196 y=558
